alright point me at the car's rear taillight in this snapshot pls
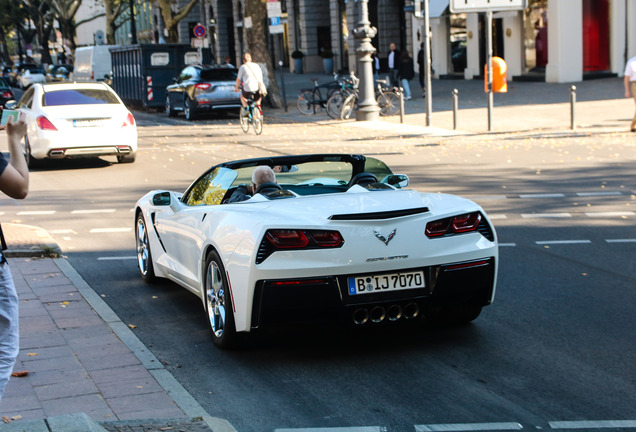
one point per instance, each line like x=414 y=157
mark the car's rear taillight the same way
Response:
x=285 y=239
x=7 y=94
x=326 y=238
x=203 y=86
x=453 y=225
x=130 y=120
x=45 y=124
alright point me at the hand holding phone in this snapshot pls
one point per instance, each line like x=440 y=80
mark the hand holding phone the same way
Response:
x=6 y=114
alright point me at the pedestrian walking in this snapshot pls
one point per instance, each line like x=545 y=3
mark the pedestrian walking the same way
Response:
x=421 y=64
x=393 y=63
x=406 y=73
x=14 y=182
x=630 y=85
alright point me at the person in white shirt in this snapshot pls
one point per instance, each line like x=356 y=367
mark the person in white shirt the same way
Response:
x=393 y=60
x=248 y=79
x=630 y=84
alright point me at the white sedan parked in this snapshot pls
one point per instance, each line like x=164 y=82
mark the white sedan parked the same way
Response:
x=66 y=120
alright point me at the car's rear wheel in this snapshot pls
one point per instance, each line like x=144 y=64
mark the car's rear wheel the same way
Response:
x=169 y=109
x=189 y=110
x=257 y=121
x=30 y=160
x=144 y=257
x=127 y=158
x=218 y=303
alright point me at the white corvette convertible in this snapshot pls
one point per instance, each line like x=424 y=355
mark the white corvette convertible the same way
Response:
x=339 y=238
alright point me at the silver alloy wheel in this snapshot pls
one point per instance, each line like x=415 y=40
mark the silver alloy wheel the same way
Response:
x=215 y=298
x=143 y=249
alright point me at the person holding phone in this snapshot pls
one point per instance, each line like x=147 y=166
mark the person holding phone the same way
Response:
x=14 y=182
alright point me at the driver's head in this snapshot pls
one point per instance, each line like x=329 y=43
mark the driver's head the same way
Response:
x=263 y=174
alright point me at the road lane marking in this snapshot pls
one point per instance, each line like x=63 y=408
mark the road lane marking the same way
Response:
x=489 y=197
x=593 y=194
x=620 y=240
x=545 y=215
x=337 y=429
x=562 y=242
x=115 y=258
x=36 y=212
x=593 y=424
x=497 y=216
x=546 y=195
x=62 y=231
x=93 y=211
x=463 y=427
x=507 y=244
x=610 y=214
x=110 y=230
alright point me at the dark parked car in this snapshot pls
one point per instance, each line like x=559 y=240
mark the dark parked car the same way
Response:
x=6 y=94
x=200 y=88
x=58 y=72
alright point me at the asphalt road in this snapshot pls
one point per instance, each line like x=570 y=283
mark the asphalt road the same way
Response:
x=556 y=346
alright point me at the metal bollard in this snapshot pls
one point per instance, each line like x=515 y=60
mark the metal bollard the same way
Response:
x=455 y=107
x=572 y=108
x=401 y=105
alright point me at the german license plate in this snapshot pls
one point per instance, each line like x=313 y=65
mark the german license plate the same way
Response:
x=88 y=123
x=385 y=282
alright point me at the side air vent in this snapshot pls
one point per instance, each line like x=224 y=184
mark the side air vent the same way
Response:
x=380 y=215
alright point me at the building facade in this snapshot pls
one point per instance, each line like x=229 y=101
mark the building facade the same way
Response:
x=550 y=40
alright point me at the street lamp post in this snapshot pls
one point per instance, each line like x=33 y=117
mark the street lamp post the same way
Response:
x=368 y=109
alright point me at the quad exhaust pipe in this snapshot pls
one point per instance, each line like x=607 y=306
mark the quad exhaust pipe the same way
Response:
x=393 y=313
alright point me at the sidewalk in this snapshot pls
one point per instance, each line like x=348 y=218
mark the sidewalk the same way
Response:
x=526 y=108
x=87 y=371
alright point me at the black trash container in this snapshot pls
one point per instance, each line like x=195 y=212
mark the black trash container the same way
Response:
x=142 y=72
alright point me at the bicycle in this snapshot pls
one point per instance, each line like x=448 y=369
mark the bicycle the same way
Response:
x=348 y=84
x=388 y=98
x=253 y=115
x=311 y=100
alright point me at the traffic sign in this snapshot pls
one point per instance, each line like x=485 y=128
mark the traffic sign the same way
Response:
x=199 y=31
x=461 y=6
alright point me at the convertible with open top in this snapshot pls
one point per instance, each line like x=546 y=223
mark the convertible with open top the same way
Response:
x=340 y=238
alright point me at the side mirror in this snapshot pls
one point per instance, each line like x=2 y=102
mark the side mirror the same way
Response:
x=396 y=180
x=161 y=199
x=11 y=105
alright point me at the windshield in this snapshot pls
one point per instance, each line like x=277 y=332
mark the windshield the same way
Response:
x=218 y=75
x=79 y=97
x=307 y=178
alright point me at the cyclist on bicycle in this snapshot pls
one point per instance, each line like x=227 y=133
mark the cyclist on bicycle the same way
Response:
x=249 y=77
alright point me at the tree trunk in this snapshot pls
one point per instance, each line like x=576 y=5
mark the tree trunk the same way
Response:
x=256 y=38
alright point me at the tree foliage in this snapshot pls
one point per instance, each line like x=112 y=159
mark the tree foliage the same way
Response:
x=12 y=14
x=115 y=11
x=171 y=18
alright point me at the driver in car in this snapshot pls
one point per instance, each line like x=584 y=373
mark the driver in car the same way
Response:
x=263 y=181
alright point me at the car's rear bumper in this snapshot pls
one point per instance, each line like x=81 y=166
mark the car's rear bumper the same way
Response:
x=327 y=298
x=59 y=153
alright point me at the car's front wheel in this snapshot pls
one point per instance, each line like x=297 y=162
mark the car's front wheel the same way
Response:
x=169 y=109
x=144 y=257
x=218 y=303
x=188 y=109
